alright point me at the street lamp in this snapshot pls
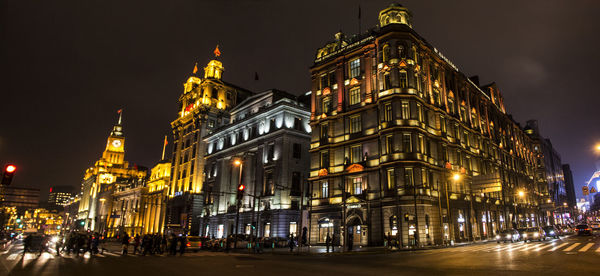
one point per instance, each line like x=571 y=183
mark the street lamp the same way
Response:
x=521 y=194
x=238 y=162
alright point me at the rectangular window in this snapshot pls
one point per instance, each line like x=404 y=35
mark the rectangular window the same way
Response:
x=389 y=144
x=324 y=131
x=326 y=105
x=391 y=179
x=325 y=159
x=421 y=144
x=325 y=189
x=405 y=111
x=387 y=112
x=269 y=187
x=267 y=228
x=355 y=124
x=355 y=68
x=293 y=228
x=356 y=154
x=296 y=183
x=357 y=185
x=408 y=177
x=220 y=230
x=420 y=112
x=297 y=150
x=271 y=152
x=403 y=79
x=406 y=143
x=355 y=96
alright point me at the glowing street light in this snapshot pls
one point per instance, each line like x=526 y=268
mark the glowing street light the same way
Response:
x=521 y=193
x=456 y=177
x=237 y=162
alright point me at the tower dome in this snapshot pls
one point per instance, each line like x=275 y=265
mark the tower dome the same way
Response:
x=395 y=14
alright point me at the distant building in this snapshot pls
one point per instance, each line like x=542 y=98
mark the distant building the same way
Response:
x=60 y=195
x=22 y=198
x=155 y=197
x=265 y=146
x=110 y=173
x=570 y=186
x=583 y=205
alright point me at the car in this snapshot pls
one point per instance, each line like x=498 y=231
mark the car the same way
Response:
x=595 y=226
x=533 y=233
x=551 y=231
x=583 y=229
x=194 y=243
x=511 y=235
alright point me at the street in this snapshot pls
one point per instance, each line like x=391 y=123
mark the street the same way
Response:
x=552 y=257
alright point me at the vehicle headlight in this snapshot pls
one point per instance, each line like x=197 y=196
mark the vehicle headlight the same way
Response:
x=55 y=239
x=497 y=237
x=536 y=234
x=551 y=232
x=524 y=235
x=508 y=236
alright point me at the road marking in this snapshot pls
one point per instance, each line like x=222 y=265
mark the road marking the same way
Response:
x=559 y=246
x=586 y=247
x=532 y=247
x=545 y=246
x=572 y=247
x=513 y=248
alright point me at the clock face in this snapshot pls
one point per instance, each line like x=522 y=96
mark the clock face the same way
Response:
x=116 y=143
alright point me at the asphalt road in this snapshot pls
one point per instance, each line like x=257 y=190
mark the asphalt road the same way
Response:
x=568 y=256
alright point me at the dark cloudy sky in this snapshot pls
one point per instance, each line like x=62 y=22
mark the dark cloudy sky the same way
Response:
x=68 y=66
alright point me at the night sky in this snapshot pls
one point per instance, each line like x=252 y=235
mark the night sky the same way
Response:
x=68 y=66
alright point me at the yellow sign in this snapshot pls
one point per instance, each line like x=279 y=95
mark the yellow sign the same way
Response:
x=593 y=190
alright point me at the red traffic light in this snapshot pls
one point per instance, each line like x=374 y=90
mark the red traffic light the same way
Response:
x=241 y=187
x=10 y=168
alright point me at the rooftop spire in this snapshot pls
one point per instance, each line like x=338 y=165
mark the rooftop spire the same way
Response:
x=120 y=111
x=217 y=52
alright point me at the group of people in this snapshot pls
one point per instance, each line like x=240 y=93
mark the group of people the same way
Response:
x=77 y=243
x=154 y=244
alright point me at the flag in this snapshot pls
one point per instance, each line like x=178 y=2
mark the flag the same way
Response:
x=119 y=111
x=166 y=141
x=255 y=75
x=195 y=68
x=217 y=52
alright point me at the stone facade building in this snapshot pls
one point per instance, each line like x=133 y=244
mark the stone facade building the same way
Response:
x=404 y=144
x=203 y=107
x=263 y=147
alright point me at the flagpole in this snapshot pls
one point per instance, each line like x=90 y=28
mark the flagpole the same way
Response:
x=164 y=147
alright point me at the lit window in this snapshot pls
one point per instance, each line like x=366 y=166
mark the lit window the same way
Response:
x=324 y=189
x=356 y=154
x=391 y=179
x=355 y=68
x=403 y=79
x=355 y=96
x=387 y=114
x=389 y=144
x=326 y=105
x=357 y=185
x=405 y=110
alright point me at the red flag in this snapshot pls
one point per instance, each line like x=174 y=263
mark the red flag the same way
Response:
x=119 y=111
x=217 y=52
x=166 y=141
x=195 y=68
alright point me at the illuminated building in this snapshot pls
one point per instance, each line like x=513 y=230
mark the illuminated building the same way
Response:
x=570 y=187
x=203 y=107
x=404 y=144
x=109 y=174
x=19 y=197
x=549 y=173
x=60 y=195
x=154 y=198
x=267 y=139
x=42 y=220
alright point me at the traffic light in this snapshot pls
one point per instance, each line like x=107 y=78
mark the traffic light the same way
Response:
x=240 y=191
x=8 y=173
x=18 y=220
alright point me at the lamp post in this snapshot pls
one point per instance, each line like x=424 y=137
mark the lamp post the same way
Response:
x=563 y=212
x=455 y=178
x=239 y=163
x=521 y=194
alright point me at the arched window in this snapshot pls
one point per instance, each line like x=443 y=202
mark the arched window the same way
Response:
x=386 y=52
x=403 y=79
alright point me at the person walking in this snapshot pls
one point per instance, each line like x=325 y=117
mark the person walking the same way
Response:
x=182 y=245
x=350 y=241
x=136 y=244
x=95 y=244
x=27 y=244
x=327 y=242
x=173 y=245
x=291 y=242
x=58 y=245
x=125 y=243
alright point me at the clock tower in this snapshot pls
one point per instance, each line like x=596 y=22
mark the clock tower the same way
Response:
x=115 y=145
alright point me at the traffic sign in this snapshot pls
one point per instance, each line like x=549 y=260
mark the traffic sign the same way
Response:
x=593 y=190
x=585 y=190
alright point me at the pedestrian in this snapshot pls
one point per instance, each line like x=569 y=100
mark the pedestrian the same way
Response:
x=173 y=245
x=80 y=244
x=58 y=245
x=291 y=242
x=95 y=244
x=27 y=244
x=332 y=242
x=163 y=244
x=136 y=244
x=304 y=236
x=125 y=243
x=388 y=239
x=182 y=245
x=327 y=242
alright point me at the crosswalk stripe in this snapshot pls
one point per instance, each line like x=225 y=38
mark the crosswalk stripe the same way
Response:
x=598 y=249
x=513 y=248
x=559 y=246
x=532 y=247
x=545 y=246
x=586 y=247
x=572 y=247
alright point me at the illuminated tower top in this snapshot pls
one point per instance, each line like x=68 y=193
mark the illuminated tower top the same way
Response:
x=395 y=14
x=115 y=145
x=214 y=69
